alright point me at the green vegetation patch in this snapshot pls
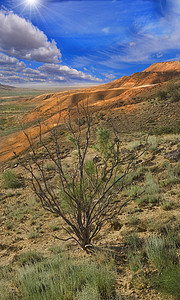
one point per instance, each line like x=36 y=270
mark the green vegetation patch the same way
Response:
x=16 y=128
x=17 y=107
x=30 y=257
x=160 y=252
x=168 y=282
x=66 y=279
x=172 y=92
x=173 y=128
x=11 y=180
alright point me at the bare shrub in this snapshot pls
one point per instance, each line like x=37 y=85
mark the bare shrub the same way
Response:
x=89 y=195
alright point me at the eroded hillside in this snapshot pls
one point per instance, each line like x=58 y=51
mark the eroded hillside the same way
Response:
x=127 y=95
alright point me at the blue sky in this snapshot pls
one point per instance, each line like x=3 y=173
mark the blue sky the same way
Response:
x=71 y=42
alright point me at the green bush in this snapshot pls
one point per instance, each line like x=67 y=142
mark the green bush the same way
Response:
x=162 y=253
x=56 y=249
x=175 y=96
x=159 y=252
x=103 y=144
x=132 y=220
x=11 y=180
x=133 y=191
x=115 y=224
x=49 y=166
x=134 y=144
x=33 y=235
x=66 y=279
x=172 y=92
x=30 y=257
x=168 y=281
x=167 y=205
x=162 y=95
x=173 y=128
x=54 y=227
x=134 y=175
x=173 y=235
x=135 y=261
x=172 y=175
x=152 y=142
x=133 y=241
x=151 y=193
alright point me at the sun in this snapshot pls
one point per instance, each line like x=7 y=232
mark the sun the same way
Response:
x=30 y=7
x=32 y=2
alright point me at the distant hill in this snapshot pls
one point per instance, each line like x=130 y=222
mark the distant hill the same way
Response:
x=156 y=73
x=170 y=66
x=6 y=87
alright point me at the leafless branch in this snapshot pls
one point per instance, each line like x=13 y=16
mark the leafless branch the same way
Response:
x=92 y=197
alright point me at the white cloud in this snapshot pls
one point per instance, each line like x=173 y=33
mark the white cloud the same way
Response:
x=152 y=41
x=66 y=72
x=23 y=40
x=7 y=62
x=13 y=71
x=159 y=55
x=131 y=44
x=106 y=29
x=29 y=71
x=19 y=39
x=148 y=40
x=174 y=5
x=109 y=76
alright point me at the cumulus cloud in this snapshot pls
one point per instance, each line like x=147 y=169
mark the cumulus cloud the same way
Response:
x=7 y=62
x=22 y=39
x=66 y=72
x=12 y=71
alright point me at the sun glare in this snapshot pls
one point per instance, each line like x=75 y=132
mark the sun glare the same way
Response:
x=32 y=2
x=33 y=7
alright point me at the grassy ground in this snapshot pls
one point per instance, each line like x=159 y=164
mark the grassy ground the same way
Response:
x=137 y=253
x=59 y=276
x=141 y=240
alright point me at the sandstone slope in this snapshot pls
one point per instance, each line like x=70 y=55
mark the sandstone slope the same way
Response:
x=126 y=93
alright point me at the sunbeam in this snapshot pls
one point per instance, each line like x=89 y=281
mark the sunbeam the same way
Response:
x=32 y=3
